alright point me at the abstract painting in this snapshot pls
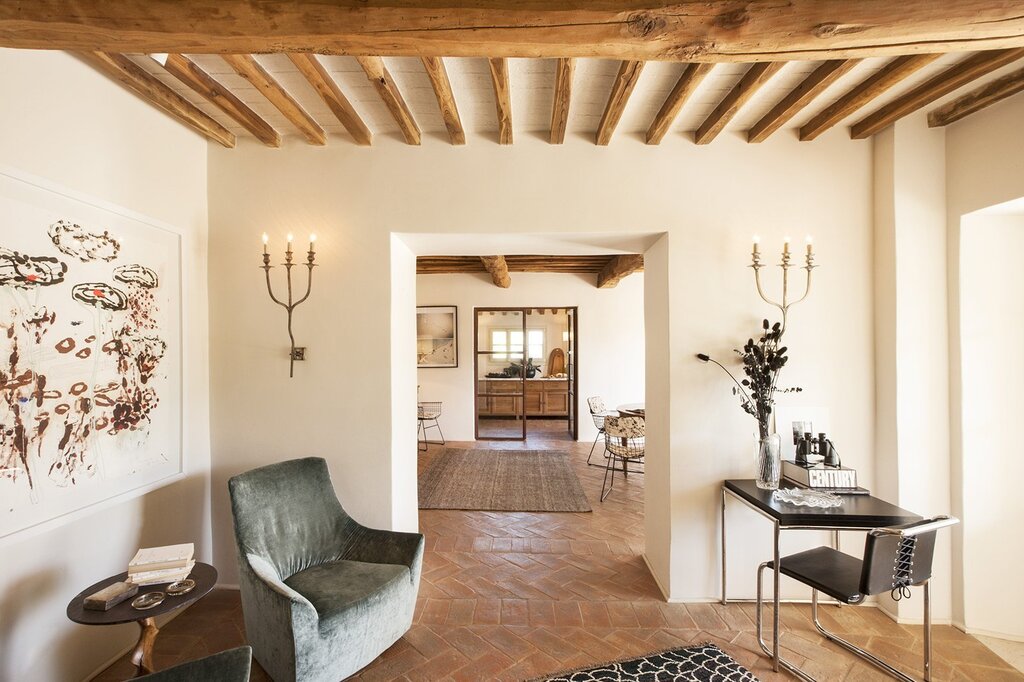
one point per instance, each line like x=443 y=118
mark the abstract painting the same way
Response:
x=90 y=353
x=437 y=338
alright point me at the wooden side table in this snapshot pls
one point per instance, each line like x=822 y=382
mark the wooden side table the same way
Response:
x=205 y=576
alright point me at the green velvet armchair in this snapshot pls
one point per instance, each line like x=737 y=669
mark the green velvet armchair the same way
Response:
x=322 y=595
x=227 y=666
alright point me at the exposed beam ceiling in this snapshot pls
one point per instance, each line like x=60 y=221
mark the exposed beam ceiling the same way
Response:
x=978 y=99
x=129 y=74
x=971 y=68
x=249 y=69
x=316 y=75
x=381 y=79
x=618 y=268
x=713 y=30
x=622 y=88
x=608 y=270
x=756 y=76
x=564 y=70
x=502 y=98
x=498 y=269
x=812 y=86
x=687 y=83
x=438 y=75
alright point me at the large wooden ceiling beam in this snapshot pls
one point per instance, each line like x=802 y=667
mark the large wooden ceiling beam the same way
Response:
x=498 y=269
x=502 y=98
x=976 y=100
x=866 y=91
x=622 y=88
x=619 y=267
x=812 y=86
x=756 y=76
x=388 y=90
x=438 y=76
x=132 y=76
x=315 y=73
x=189 y=73
x=248 y=68
x=687 y=83
x=564 y=70
x=953 y=78
x=714 y=30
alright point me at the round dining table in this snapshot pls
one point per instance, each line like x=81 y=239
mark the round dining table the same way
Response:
x=631 y=410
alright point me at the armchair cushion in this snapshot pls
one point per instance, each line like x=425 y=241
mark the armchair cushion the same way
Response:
x=340 y=586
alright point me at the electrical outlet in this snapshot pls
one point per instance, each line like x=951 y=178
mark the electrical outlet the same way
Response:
x=299 y=353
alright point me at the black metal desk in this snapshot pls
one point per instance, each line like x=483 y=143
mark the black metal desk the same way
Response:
x=859 y=512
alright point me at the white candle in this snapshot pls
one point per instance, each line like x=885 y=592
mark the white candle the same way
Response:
x=291 y=237
x=757 y=241
x=312 y=240
x=265 y=240
x=785 y=245
x=810 y=245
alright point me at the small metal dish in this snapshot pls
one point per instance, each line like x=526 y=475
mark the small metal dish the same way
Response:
x=148 y=600
x=181 y=587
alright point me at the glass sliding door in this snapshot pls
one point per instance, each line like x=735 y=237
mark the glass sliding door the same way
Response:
x=500 y=340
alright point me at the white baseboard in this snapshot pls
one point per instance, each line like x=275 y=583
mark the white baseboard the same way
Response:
x=917 y=621
x=661 y=588
x=995 y=635
x=227 y=586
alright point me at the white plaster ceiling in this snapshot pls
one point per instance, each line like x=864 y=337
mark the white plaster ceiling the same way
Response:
x=532 y=88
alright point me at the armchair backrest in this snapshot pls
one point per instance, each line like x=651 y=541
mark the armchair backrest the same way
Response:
x=900 y=556
x=288 y=514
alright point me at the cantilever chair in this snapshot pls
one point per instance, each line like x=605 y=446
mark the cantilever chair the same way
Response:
x=426 y=413
x=598 y=413
x=227 y=666
x=322 y=595
x=895 y=558
x=625 y=441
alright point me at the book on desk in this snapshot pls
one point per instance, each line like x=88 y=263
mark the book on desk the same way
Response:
x=817 y=476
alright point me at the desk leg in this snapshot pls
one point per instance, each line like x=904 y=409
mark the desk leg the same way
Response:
x=775 y=598
x=724 y=598
x=142 y=654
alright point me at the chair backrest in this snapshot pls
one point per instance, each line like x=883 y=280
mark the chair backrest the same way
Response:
x=595 y=404
x=625 y=436
x=428 y=410
x=900 y=556
x=232 y=665
x=288 y=514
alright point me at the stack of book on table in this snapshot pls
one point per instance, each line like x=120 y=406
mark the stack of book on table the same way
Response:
x=153 y=565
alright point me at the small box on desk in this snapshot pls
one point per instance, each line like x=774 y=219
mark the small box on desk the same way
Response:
x=110 y=596
x=820 y=477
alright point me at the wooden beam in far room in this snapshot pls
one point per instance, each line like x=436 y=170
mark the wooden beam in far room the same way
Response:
x=622 y=88
x=498 y=268
x=564 y=70
x=976 y=100
x=189 y=73
x=150 y=88
x=438 y=76
x=321 y=81
x=812 y=86
x=386 y=87
x=953 y=78
x=248 y=68
x=756 y=76
x=502 y=98
x=619 y=267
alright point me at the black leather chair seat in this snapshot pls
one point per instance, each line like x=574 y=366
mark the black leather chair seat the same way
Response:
x=826 y=570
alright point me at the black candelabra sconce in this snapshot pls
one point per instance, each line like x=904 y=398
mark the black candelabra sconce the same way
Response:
x=295 y=353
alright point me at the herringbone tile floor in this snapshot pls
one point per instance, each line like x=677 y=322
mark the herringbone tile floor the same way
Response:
x=511 y=596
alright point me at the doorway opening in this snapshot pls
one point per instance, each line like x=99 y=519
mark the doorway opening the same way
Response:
x=525 y=382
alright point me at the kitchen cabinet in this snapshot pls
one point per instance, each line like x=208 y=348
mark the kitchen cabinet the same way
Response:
x=544 y=397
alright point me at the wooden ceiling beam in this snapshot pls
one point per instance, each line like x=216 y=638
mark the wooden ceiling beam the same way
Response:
x=973 y=67
x=564 y=70
x=618 y=268
x=688 y=81
x=805 y=93
x=498 y=269
x=122 y=69
x=438 y=76
x=380 y=77
x=248 y=68
x=756 y=76
x=622 y=88
x=714 y=30
x=976 y=100
x=866 y=91
x=502 y=98
x=330 y=92
x=189 y=73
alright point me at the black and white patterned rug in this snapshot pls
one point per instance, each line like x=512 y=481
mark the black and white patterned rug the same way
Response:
x=702 y=663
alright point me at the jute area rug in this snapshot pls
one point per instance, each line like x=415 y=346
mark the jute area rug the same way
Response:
x=502 y=480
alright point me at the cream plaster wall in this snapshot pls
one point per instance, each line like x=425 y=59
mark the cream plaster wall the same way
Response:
x=610 y=340
x=62 y=122
x=708 y=200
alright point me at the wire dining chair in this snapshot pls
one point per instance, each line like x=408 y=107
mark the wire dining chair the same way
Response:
x=598 y=413
x=624 y=440
x=427 y=412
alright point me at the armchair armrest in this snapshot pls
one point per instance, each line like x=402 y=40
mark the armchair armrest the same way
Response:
x=274 y=585
x=385 y=547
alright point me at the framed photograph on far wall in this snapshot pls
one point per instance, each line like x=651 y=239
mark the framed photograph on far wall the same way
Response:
x=437 y=336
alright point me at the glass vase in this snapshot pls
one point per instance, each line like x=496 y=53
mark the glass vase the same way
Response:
x=769 y=462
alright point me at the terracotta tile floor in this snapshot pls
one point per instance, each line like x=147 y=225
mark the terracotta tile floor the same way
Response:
x=509 y=596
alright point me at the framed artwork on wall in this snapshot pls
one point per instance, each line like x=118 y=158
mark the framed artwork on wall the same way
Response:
x=91 y=341
x=437 y=336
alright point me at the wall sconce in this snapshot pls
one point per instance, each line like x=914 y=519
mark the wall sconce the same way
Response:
x=755 y=257
x=295 y=353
